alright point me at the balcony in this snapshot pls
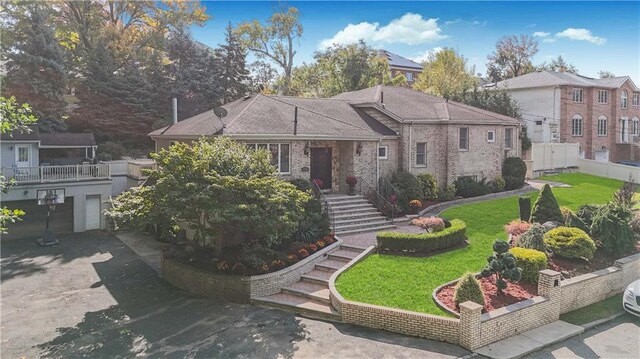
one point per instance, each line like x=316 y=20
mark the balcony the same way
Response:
x=49 y=174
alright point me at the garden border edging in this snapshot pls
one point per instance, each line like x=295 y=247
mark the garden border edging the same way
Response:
x=440 y=207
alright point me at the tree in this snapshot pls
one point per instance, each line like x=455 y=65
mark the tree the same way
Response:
x=445 y=74
x=234 y=77
x=274 y=40
x=35 y=62
x=604 y=74
x=15 y=118
x=558 y=65
x=546 y=207
x=495 y=100
x=512 y=57
x=502 y=266
x=263 y=76
x=226 y=192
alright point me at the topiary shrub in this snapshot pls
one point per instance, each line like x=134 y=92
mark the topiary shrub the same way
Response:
x=468 y=288
x=502 y=266
x=429 y=186
x=531 y=261
x=514 y=171
x=546 y=207
x=570 y=243
x=524 y=204
x=467 y=186
x=611 y=227
x=533 y=238
x=408 y=188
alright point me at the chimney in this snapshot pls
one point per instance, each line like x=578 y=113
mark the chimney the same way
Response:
x=295 y=120
x=174 y=102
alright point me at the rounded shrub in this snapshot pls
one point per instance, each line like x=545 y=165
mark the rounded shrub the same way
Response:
x=570 y=243
x=533 y=238
x=531 y=261
x=408 y=188
x=429 y=186
x=514 y=171
x=468 y=288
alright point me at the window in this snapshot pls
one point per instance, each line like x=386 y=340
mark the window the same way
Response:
x=383 y=152
x=624 y=96
x=421 y=154
x=635 y=126
x=577 y=95
x=576 y=126
x=538 y=123
x=491 y=136
x=409 y=76
x=623 y=130
x=636 y=99
x=280 y=156
x=602 y=126
x=603 y=96
x=464 y=138
x=23 y=154
x=508 y=138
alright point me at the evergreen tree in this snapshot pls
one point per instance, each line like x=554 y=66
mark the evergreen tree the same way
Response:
x=546 y=207
x=35 y=63
x=234 y=75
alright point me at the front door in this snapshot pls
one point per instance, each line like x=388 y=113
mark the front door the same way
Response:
x=92 y=212
x=321 y=166
x=23 y=155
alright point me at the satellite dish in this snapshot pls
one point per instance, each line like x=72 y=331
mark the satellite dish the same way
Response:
x=220 y=112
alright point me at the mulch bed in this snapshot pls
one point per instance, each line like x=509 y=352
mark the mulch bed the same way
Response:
x=572 y=267
x=513 y=294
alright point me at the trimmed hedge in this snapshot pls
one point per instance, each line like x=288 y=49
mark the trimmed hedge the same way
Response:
x=570 y=243
x=423 y=242
x=531 y=261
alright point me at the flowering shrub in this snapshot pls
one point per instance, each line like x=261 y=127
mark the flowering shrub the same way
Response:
x=329 y=239
x=415 y=204
x=312 y=248
x=278 y=264
x=432 y=224
x=264 y=268
x=291 y=259
x=352 y=180
x=517 y=227
x=321 y=243
x=222 y=266
x=303 y=253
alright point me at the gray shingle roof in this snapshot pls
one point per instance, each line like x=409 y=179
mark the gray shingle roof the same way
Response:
x=67 y=139
x=399 y=61
x=551 y=78
x=34 y=135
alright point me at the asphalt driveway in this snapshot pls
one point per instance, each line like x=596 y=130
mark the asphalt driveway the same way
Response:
x=91 y=296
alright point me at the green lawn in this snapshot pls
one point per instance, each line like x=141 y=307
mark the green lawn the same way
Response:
x=600 y=310
x=407 y=282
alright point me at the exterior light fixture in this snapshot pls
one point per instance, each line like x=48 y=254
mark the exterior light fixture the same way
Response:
x=307 y=147
x=359 y=148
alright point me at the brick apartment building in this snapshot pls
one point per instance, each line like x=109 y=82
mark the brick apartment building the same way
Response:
x=402 y=66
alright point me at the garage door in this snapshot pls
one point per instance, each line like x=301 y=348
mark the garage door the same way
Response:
x=35 y=219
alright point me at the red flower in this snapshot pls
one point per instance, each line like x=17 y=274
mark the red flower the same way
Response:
x=303 y=253
x=352 y=180
x=291 y=258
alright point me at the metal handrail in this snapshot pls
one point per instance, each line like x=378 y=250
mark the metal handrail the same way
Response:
x=325 y=204
x=382 y=204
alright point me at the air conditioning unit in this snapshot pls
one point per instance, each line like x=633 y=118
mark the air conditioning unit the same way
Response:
x=555 y=137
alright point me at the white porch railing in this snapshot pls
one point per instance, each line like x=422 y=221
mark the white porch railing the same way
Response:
x=136 y=169
x=68 y=173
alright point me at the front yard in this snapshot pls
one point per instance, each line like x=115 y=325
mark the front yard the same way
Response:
x=407 y=282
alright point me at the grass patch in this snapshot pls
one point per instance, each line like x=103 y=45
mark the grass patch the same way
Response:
x=407 y=282
x=600 y=310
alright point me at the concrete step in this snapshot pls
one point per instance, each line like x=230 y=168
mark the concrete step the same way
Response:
x=340 y=198
x=317 y=276
x=351 y=247
x=372 y=224
x=371 y=218
x=342 y=254
x=346 y=202
x=346 y=207
x=356 y=213
x=331 y=265
x=364 y=230
x=300 y=305
x=313 y=291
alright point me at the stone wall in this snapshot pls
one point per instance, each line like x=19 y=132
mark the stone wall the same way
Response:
x=235 y=288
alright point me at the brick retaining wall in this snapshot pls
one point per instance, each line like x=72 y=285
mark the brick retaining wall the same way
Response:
x=237 y=288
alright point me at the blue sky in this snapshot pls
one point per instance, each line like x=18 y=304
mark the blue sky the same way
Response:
x=592 y=35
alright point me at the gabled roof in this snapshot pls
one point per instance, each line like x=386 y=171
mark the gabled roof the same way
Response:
x=33 y=135
x=399 y=61
x=67 y=139
x=552 y=78
x=414 y=105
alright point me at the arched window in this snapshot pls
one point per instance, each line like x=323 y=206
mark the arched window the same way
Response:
x=602 y=125
x=576 y=126
x=624 y=98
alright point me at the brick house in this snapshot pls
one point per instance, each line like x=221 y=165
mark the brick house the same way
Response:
x=602 y=115
x=369 y=134
x=402 y=66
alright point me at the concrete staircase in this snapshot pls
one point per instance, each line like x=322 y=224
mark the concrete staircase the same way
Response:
x=355 y=214
x=310 y=295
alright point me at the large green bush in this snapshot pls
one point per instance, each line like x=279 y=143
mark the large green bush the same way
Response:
x=570 y=243
x=612 y=228
x=429 y=186
x=467 y=186
x=423 y=242
x=468 y=288
x=546 y=207
x=533 y=238
x=514 y=171
x=531 y=261
x=408 y=187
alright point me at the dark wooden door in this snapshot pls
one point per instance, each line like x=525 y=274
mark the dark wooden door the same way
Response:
x=321 y=166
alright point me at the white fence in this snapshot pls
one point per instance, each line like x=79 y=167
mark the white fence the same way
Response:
x=67 y=173
x=547 y=156
x=118 y=168
x=609 y=170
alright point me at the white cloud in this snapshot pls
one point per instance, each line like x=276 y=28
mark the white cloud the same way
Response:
x=549 y=39
x=424 y=56
x=451 y=22
x=582 y=35
x=541 y=34
x=409 y=29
